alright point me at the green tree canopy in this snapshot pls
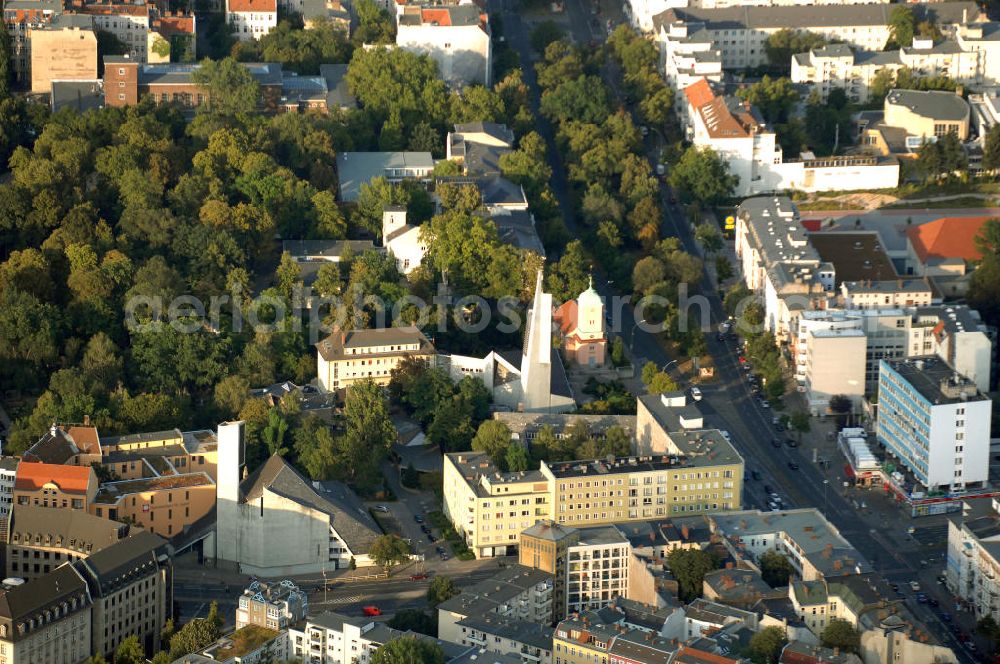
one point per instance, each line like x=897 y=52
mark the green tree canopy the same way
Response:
x=766 y=645
x=841 y=634
x=774 y=97
x=689 y=567
x=701 y=175
x=775 y=569
x=441 y=588
x=493 y=437
x=389 y=550
x=902 y=27
x=231 y=87
x=785 y=43
x=408 y=650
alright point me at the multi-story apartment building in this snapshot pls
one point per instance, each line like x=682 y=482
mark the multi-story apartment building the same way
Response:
x=584 y=639
x=164 y=504
x=954 y=333
x=64 y=50
x=545 y=547
x=844 y=598
x=138 y=455
x=149 y=33
x=51 y=485
x=132 y=592
x=741 y=32
x=813 y=545
x=8 y=476
x=734 y=129
x=529 y=641
x=251 y=19
x=835 y=365
x=21 y=17
x=705 y=477
x=346 y=357
x=39 y=539
x=274 y=605
x=597 y=569
x=973 y=570
x=886 y=293
x=697 y=471
x=515 y=594
x=687 y=57
x=334 y=638
x=490 y=508
x=837 y=66
x=456 y=36
x=47 y=620
x=770 y=235
x=935 y=422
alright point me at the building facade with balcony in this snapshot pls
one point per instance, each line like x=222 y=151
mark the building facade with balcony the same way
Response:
x=515 y=595
x=973 y=569
x=597 y=569
x=273 y=605
x=935 y=422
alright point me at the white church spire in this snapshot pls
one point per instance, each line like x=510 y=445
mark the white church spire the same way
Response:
x=536 y=362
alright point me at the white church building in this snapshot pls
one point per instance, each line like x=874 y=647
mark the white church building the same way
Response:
x=535 y=384
x=275 y=522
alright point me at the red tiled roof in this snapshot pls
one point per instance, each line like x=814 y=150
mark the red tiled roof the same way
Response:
x=689 y=654
x=33 y=476
x=947 y=237
x=440 y=16
x=699 y=93
x=268 y=6
x=565 y=316
x=86 y=439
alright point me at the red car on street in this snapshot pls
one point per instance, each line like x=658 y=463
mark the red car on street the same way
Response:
x=371 y=611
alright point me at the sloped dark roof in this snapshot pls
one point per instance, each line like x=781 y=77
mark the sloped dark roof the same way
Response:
x=71 y=529
x=131 y=558
x=54 y=447
x=354 y=525
x=34 y=597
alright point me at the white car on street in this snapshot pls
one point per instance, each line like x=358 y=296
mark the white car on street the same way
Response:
x=696 y=394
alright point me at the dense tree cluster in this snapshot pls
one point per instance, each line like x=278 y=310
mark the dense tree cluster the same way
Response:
x=298 y=50
x=689 y=567
x=984 y=288
x=783 y=44
x=448 y=412
x=136 y=205
x=615 y=191
x=942 y=158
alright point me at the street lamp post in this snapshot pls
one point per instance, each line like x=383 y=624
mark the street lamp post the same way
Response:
x=826 y=506
x=631 y=344
x=668 y=364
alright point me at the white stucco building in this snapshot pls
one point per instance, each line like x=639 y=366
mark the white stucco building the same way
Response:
x=276 y=523
x=534 y=383
x=973 y=570
x=741 y=32
x=251 y=19
x=401 y=239
x=935 y=422
x=8 y=473
x=456 y=37
x=971 y=58
x=735 y=130
x=835 y=365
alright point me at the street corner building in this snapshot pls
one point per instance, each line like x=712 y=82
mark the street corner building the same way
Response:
x=275 y=522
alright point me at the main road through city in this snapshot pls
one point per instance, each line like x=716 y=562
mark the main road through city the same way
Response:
x=727 y=402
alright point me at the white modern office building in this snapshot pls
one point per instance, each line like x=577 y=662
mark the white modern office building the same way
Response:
x=935 y=422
